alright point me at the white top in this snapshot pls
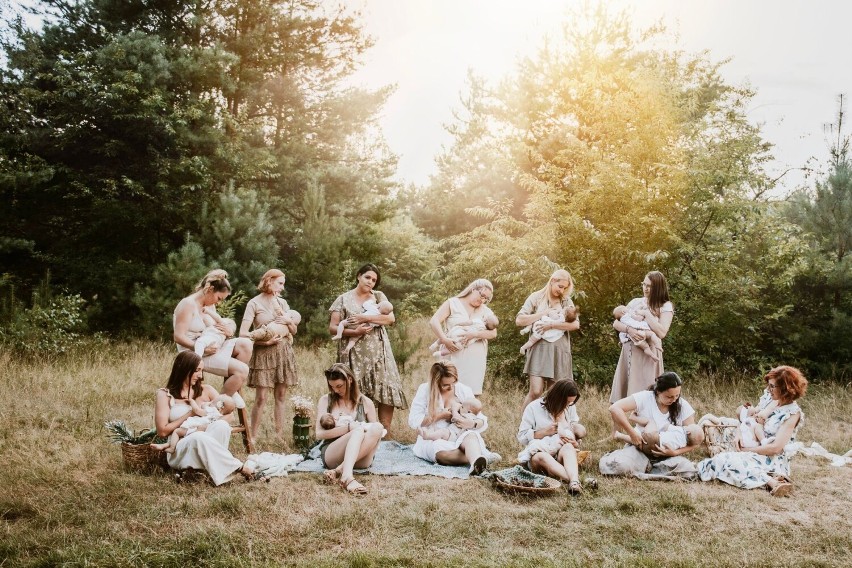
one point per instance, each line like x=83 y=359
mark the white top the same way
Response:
x=537 y=417
x=637 y=304
x=646 y=407
x=420 y=405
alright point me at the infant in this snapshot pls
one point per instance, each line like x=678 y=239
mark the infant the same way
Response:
x=553 y=315
x=271 y=330
x=650 y=343
x=458 y=331
x=371 y=308
x=750 y=432
x=469 y=409
x=572 y=431
x=327 y=421
x=669 y=436
x=212 y=335
x=203 y=414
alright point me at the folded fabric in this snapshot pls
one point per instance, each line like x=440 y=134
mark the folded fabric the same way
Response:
x=269 y=464
x=817 y=450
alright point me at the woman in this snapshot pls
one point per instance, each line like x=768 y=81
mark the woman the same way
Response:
x=273 y=364
x=371 y=359
x=765 y=466
x=546 y=361
x=636 y=370
x=661 y=404
x=431 y=409
x=192 y=315
x=353 y=442
x=469 y=352
x=541 y=419
x=207 y=448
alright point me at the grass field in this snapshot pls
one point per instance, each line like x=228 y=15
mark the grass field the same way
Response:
x=65 y=500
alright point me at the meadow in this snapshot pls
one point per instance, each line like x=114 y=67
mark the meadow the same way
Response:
x=66 y=500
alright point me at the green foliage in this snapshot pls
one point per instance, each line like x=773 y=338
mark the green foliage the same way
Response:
x=118 y=432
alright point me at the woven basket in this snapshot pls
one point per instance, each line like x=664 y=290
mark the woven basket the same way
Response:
x=519 y=481
x=142 y=457
x=720 y=438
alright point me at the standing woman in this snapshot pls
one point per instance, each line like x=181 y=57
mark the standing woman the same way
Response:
x=546 y=361
x=468 y=356
x=636 y=371
x=273 y=364
x=191 y=317
x=371 y=359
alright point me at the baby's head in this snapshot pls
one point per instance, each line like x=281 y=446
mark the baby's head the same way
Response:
x=571 y=314
x=295 y=317
x=473 y=406
x=385 y=307
x=327 y=421
x=619 y=312
x=224 y=404
x=490 y=321
x=694 y=434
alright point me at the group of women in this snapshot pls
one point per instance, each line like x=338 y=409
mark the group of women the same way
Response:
x=364 y=386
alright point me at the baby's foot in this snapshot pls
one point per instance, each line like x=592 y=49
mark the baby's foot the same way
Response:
x=523 y=349
x=652 y=355
x=160 y=446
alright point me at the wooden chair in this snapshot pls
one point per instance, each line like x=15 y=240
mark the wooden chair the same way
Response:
x=243 y=428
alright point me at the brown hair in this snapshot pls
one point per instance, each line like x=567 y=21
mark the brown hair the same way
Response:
x=659 y=291
x=369 y=267
x=216 y=279
x=185 y=365
x=438 y=371
x=555 y=400
x=267 y=278
x=789 y=381
x=338 y=372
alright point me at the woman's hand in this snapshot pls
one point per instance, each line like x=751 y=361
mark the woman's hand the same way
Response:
x=635 y=334
x=357 y=319
x=464 y=423
x=226 y=329
x=570 y=440
x=635 y=437
x=363 y=329
x=274 y=341
x=210 y=350
x=548 y=430
x=662 y=451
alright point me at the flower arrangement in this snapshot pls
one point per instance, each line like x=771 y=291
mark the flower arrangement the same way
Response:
x=302 y=406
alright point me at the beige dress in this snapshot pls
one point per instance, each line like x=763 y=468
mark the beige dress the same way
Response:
x=270 y=364
x=636 y=371
x=470 y=361
x=371 y=359
x=545 y=359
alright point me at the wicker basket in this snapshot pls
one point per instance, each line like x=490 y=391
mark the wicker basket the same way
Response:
x=519 y=481
x=720 y=438
x=142 y=458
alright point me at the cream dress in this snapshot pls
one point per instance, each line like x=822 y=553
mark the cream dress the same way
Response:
x=470 y=361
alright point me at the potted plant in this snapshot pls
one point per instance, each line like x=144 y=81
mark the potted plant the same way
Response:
x=302 y=409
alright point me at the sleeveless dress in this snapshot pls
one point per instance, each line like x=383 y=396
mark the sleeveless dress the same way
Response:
x=360 y=416
x=206 y=450
x=216 y=364
x=270 y=364
x=470 y=361
x=545 y=359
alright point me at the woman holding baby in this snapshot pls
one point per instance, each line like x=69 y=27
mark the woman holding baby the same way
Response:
x=270 y=324
x=197 y=312
x=364 y=313
x=463 y=326
x=550 y=308
x=642 y=325
x=551 y=432
x=436 y=407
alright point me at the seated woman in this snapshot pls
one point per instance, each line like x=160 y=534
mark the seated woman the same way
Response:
x=354 y=439
x=207 y=448
x=662 y=405
x=431 y=409
x=766 y=465
x=551 y=431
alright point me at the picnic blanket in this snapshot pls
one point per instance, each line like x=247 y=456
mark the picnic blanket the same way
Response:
x=393 y=458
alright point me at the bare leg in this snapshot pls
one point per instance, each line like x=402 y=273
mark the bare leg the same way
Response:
x=238 y=367
x=280 y=407
x=369 y=446
x=537 y=386
x=647 y=349
x=542 y=462
x=257 y=412
x=467 y=453
x=385 y=412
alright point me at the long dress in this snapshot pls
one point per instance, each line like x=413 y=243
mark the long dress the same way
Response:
x=206 y=450
x=749 y=470
x=270 y=364
x=427 y=449
x=371 y=359
x=636 y=371
x=469 y=361
x=545 y=359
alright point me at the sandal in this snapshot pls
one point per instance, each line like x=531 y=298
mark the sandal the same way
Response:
x=331 y=476
x=357 y=489
x=783 y=489
x=574 y=488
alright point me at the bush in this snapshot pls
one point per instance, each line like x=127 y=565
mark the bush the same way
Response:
x=51 y=328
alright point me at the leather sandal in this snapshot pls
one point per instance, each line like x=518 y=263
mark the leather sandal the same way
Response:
x=357 y=489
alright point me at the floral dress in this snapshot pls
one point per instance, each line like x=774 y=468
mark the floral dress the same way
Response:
x=749 y=470
x=371 y=359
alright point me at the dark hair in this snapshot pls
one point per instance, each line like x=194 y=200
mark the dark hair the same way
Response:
x=789 y=381
x=185 y=364
x=664 y=382
x=342 y=372
x=659 y=291
x=555 y=400
x=369 y=267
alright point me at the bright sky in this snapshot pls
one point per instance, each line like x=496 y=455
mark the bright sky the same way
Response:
x=791 y=51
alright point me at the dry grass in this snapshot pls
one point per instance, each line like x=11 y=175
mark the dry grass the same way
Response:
x=64 y=499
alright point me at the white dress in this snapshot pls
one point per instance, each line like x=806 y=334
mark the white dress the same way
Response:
x=470 y=361
x=206 y=450
x=426 y=449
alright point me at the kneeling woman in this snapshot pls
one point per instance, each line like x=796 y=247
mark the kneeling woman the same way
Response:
x=551 y=430
x=431 y=409
x=354 y=439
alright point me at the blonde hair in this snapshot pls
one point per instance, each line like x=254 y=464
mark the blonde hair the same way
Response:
x=544 y=293
x=217 y=279
x=476 y=285
x=439 y=370
x=267 y=278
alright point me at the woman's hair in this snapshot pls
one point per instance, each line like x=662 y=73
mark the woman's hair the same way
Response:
x=267 y=278
x=369 y=267
x=659 y=291
x=439 y=370
x=476 y=285
x=544 y=293
x=339 y=371
x=789 y=381
x=664 y=382
x=217 y=279
x=555 y=400
x=185 y=365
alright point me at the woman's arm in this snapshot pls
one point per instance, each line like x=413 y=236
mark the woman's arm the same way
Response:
x=619 y=411
x=782 y=438
x=417 y=416
x=523 y=320
x=183 y=316
x=248 y=319
x=660 y=326
x=564 y=326
x=161 y=416
x=437 y=326
x=334 y=321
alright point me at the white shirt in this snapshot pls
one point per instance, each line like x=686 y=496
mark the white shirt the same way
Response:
x=646 y=407
x=420 y=405
x=537 y=417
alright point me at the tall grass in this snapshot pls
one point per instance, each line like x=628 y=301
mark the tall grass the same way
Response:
x=65 y=499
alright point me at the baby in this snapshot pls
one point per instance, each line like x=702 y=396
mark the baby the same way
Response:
x=650 y=343
x=327 y=421
x=212 y=335
x=750 y=431
x=203 y=414
x=271 y=330
x=552 y=443
x=553 y=315
x=457 y=332
x=669 y=436
x=468 y=409
x=371 y=308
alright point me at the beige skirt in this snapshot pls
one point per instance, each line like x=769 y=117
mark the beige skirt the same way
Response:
x=272 y=365
x=635 y=372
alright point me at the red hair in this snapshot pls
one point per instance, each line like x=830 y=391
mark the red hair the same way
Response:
x=267 y=278
x=789 y=381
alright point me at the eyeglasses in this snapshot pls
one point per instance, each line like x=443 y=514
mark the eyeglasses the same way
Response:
x=485 y=298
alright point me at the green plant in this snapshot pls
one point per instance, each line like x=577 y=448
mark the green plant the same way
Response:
x=118 y=432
